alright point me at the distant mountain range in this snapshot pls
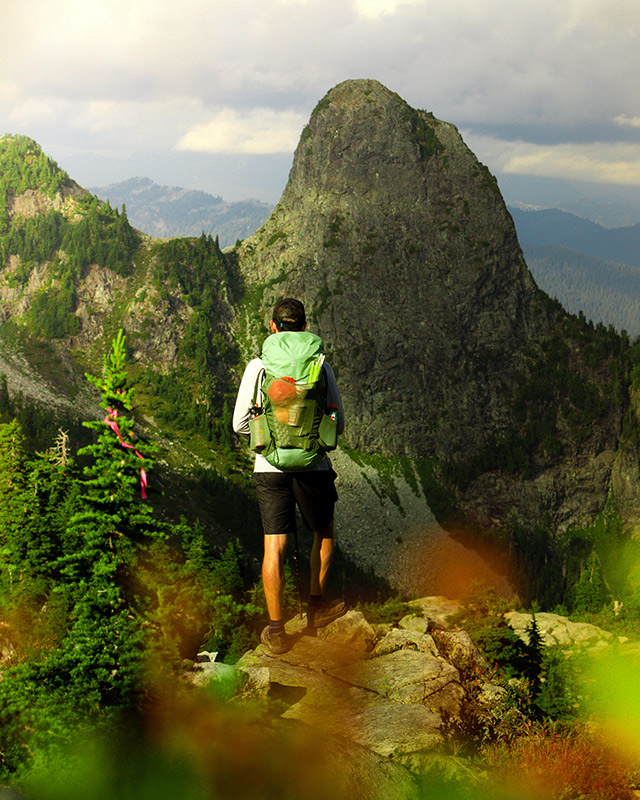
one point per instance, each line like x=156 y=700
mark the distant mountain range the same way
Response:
x=585 y=266
x=163 y=211
x=555 y=227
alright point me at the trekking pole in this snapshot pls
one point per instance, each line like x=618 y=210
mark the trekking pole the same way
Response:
x=297 y=560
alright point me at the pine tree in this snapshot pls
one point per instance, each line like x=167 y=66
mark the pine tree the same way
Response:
x=535 y=655
x=113 y=528
x=14 y=507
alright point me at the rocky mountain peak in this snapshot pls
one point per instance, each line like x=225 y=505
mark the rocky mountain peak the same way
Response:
x=390 y=216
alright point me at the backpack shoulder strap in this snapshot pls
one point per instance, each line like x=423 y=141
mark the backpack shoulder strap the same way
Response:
x=256 y=389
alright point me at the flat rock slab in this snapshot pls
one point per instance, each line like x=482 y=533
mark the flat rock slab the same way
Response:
x=319 y=655
x=384 y=726
x=408 y=676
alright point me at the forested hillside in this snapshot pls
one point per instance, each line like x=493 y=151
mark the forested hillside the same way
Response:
x=551 y=226
x=585 y=266
x=605 y=292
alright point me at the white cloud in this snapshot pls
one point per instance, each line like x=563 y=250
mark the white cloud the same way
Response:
x=373 y=9
x=260 y=131
x=629 y=122
x=600 y=162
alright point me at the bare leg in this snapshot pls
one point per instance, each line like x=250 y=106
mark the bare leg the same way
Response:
x=273 y=573
x=321 y=553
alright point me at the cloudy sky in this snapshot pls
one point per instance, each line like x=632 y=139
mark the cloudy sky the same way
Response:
x=545 y=89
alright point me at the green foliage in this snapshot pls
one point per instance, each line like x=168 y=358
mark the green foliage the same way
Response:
x=483 y=618
x=391 y=611
x=275 y=237
x=51 y=312
x=422 y=131
x=101 y=235
x=98 y=234
x=589 y=592
x=231 y=614
x=92 y=592
x=79 y=543
x=200 y=270
x=558 y=695
x=599 y=562
x=34 y=239
x=535 y=653
x=606 y=293
x=24 y=166
x=36 y=421
x=556 y=401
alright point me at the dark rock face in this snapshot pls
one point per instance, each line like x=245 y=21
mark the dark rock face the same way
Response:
x=399 y=243
x=398 y=240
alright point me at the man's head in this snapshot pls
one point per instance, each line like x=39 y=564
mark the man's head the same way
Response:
x=288 y=315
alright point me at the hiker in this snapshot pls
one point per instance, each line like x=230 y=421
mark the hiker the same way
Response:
x=293 y=419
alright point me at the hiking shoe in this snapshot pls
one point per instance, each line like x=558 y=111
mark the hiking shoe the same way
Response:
x=324 y=614
x=276 y=643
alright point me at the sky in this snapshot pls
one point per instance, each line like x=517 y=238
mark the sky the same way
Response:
x=216 y=91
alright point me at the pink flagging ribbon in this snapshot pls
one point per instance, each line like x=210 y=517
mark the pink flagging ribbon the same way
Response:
x=110 y=420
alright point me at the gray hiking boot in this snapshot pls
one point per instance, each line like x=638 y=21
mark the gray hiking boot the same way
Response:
x=326 y=613
x=276 y=643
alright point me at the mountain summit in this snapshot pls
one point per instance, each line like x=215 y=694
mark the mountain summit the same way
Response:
x=399 y=242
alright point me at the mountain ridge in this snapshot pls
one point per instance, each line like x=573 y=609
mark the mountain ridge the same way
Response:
x=552 y=226
x=169 y=211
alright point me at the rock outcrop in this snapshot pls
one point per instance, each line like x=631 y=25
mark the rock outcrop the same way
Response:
x=556 y=630
x=383 y=690
x=384 y=702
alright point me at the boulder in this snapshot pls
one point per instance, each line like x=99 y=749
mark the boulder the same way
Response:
x=383 y=690
x=438 y=609
x=398 y=639
x=556 y=629
x=409 y=677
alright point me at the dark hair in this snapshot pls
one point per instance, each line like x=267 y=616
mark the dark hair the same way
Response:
x=288 y=314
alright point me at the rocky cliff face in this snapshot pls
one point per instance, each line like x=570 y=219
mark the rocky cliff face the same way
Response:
x=399 y=243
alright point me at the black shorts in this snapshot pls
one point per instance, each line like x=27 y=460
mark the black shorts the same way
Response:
x=278 y=493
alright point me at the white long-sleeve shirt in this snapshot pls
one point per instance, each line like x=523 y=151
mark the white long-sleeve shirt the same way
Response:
x=245 y=398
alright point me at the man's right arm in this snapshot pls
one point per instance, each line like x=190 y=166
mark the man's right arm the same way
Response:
x=245 y=397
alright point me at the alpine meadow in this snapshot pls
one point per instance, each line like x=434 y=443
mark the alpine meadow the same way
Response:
x=488 y=480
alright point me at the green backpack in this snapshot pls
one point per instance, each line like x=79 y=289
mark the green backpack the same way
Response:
x=290 y=425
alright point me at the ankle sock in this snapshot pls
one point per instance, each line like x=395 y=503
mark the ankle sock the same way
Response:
x=315 y=601
x=276 y=626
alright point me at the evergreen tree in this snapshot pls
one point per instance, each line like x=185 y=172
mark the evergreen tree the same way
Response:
x=590 y=593
x=112 y=528
x=535 y=655
x=14 y=507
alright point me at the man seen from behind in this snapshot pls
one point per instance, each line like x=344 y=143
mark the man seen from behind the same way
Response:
x=295 y=416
